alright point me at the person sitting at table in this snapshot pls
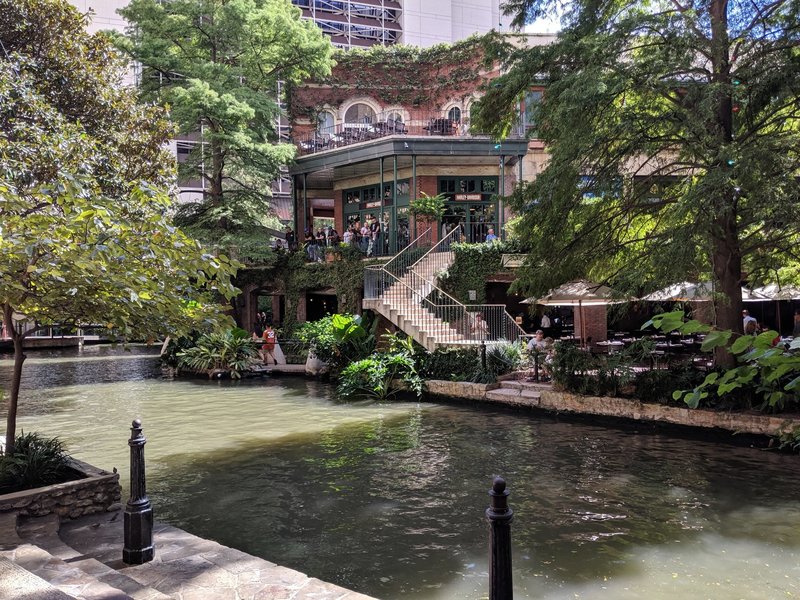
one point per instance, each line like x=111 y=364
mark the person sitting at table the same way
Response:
x=537 y=343
x=749 y=323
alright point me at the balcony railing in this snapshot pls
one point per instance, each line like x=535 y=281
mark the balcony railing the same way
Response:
x=418 y=123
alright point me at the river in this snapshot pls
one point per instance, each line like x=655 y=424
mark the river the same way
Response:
x=389 y=499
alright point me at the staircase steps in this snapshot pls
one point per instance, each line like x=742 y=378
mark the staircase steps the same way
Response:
x=46 y=556
x=17 y=583
x=517 y=393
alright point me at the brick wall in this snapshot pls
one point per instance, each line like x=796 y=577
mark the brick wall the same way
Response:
x=591 y=322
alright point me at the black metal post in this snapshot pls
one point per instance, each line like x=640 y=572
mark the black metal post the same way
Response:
x=138 y=524
x=499 y=515
x=536 y=364
x=483 y=356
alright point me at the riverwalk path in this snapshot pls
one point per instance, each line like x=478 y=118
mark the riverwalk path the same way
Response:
x=82 y=559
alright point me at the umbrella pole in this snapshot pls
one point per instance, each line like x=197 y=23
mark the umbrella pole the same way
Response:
x=778 y=316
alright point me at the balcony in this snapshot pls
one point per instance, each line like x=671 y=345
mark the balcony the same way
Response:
x=382 y=125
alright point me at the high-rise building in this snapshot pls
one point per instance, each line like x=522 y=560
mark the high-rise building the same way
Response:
x=361 y=23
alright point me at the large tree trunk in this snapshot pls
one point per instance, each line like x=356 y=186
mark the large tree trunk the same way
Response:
x=16 y=380
x=727 y=264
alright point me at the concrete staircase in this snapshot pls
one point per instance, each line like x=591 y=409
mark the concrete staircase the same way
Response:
x=404 y=304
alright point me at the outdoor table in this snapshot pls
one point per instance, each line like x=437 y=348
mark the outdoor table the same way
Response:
x=611 y=346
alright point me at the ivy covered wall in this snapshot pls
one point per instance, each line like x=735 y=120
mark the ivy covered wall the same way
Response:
x=290 y=275
x=472 y=266
x=415 y=78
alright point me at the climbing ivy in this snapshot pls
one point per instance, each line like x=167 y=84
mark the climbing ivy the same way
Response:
x=409 y=75
x=472 y=266
x=289 y=274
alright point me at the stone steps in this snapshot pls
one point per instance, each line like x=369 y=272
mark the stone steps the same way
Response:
x=517 y=393
x=45 y=555
x=17 y=583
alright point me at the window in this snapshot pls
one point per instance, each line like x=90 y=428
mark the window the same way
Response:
x=325 y=122
x=454 y=114
x=530 y=109
x=359 y=113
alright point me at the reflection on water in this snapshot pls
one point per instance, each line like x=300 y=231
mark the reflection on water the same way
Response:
x=389 y=499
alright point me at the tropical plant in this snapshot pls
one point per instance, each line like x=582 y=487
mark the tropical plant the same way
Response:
x=768 y=370
x=233 y=351
x=501 y=358
x=87 y=229
x=36 y=461
x=374 y=376
x=339 y=340
x=428 y=208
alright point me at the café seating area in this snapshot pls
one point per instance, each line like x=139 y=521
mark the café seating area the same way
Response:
x=416 y=123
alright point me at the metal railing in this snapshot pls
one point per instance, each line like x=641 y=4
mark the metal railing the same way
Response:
x=388 y=123
x=408 y=289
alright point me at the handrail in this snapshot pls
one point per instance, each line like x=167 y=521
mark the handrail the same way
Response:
x=446 y=239
x=409 y=246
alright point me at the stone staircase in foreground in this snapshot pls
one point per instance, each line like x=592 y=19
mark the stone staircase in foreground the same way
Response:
x=82 y=560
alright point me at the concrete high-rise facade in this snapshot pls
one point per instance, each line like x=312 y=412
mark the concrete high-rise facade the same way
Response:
x=362 y=23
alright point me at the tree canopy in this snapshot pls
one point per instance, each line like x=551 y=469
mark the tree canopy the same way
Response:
x=86 y=235
x=217 y=64
x=672 y=132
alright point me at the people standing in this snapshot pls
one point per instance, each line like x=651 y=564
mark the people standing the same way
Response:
x=269 y=338
x=291 y=239
x=491 y=237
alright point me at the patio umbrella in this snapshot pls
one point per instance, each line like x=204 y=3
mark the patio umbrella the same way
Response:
x=777 y=292
x=688 y=291
x=579 y=293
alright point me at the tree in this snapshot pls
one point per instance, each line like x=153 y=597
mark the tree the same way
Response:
x=85 y=230
x=217 y=64
x=672 y=130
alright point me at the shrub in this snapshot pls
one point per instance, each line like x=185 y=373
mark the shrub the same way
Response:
x=452 y=364
x=372 y=377
x=232 y=351
x=339 y=340
x=36 y=462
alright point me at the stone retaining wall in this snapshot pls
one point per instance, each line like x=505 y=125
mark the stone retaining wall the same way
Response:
x=96 y=491
x=628 y=408
x=458 y=389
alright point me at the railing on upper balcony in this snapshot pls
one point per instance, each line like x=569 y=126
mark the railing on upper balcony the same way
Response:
x=384 y=124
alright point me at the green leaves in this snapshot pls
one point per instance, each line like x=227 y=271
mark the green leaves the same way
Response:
x=217 y=64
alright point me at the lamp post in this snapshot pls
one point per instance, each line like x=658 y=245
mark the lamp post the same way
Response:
x=138 y=523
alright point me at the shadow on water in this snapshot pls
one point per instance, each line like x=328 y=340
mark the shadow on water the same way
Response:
x=366 y=505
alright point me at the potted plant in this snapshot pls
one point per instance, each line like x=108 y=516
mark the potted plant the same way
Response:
x=428 y=208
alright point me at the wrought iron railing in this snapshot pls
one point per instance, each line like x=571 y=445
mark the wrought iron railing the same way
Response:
x=428 y=311
x=388 y=123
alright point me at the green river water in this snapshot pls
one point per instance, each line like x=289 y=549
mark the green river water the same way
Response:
x=388 y=499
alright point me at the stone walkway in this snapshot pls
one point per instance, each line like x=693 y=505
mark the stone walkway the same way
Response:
x=82 y=560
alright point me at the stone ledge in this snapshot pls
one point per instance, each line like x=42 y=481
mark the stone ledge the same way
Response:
x=95 y=490
x=626 y=408
x=459 y=389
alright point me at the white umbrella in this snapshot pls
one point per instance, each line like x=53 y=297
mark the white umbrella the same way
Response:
x=579 y=293
x=775 y=291
x=688 y=291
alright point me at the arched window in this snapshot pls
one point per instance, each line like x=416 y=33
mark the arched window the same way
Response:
x=325 y=122
x=454 y=114
x=359 y=113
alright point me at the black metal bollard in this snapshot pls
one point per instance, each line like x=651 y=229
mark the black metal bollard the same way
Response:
x=138 y=524
x=499 y=515
x=483 y=356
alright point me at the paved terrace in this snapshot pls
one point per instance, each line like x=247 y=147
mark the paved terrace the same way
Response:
x=83 y=561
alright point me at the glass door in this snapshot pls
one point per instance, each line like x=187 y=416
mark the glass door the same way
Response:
x=481 y=218
x=455 y=216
